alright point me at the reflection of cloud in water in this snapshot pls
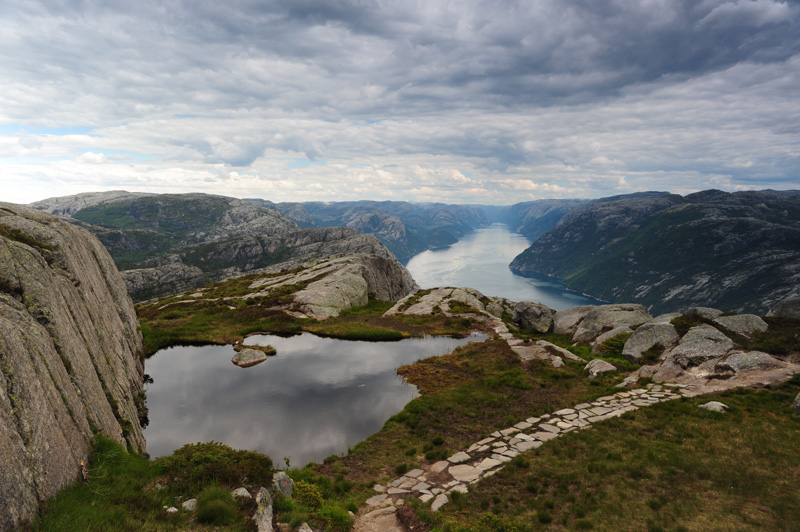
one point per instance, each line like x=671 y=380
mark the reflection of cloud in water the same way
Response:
x=316 y=397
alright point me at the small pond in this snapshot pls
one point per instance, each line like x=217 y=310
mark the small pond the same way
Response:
x=317 y=397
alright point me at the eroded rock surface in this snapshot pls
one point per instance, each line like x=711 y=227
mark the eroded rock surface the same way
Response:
x=533 y=316
x=69 y=342
x=608 y=317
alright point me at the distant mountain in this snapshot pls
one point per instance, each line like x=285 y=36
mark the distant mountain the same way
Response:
x=167 y=243
x=736 y=251
x=534 y=218
x=405 y=228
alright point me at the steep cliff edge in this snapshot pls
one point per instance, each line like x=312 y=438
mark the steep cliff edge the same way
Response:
x=69 y=346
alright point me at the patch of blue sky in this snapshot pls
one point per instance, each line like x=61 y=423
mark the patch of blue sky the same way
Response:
x=376 y=121
x=9 y=129
x=303 y=163
x=185 y=116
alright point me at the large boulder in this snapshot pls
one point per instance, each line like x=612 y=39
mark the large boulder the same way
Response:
x=705 y=312
x=249 y=357
x=788 y=308
x=597 y=345
x=700 y=344
x=607 y=317
x=282 y=483
x=70 y=363
x=567 y=321
x=598 y=366
x=533 y=316
x=739 y=361
x=744 y=324
x=658 y=331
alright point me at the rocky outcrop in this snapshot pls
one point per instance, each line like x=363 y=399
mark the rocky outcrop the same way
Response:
x=657 y=332
x=670 y=252
x=701 y=343
x=607 y=317
x=567 y=321
x=597 y=366
x=788 y=308
x=147 y=283
x=69 y=345
x=533 y=316
x=337 y=283
x=744 y=324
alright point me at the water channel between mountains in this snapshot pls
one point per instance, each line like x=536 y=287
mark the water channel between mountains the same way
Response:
x=319 y=396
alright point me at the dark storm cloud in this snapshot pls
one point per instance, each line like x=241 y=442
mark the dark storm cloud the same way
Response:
x=580 y=94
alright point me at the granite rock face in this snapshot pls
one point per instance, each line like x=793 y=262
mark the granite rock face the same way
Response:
x=787 y=308
x=69 y=357
x=533 y=316
x=607 y=317
x=658 y=331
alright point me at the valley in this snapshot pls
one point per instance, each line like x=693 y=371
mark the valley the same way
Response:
x=662 y=463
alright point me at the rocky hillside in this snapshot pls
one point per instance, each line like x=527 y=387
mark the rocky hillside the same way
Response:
x=405 y=228
x=69 y=357
x=167 y=243
x=739 y=252
x=535 y=218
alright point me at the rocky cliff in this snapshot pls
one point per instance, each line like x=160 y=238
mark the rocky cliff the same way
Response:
x=739 y=252
x=69 y=357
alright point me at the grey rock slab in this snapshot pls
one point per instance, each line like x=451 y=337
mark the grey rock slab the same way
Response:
x=172 y=510
x=600 y=410
x=706 y=312
x=379 y=488
x=414 y=473
x=549 y=428
x=425 y=497
x=248 y=357
x=581 y=406
x=522 y=425
x=564 y=412
x=744 y=324
x=464 y=473
x=408 y=483
x=397 y=491
x=488 y=463
x=439 y=466
x=509 y=431
x=438 y=502
x=556 y=361
x=422 y=486
x=533 y=420
x=501 y=458
x=459 y=457
x=544 y=436
x=527 y=445
x=461 y=488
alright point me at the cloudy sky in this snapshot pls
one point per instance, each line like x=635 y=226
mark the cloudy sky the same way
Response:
x=458 y=101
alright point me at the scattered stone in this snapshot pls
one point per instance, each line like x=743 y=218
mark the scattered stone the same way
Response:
x=544 y=436
x=569 y=355
x=796 y=404
x=597 y=366
x=190 y=505
x=465 y=473
x=376 y=499
x=564 y=412
x=249 y=357
x=378 y=488
x=263 y=514
x=440 y=501
x=241 y=492
x=715 y=406
x=744 y=324
x=556 y=361
x=304 y=528
x=425 y=497
x=414 y=473
x=527 y=446
x=533 y=316
x=171 y=510
x=549 y=428
x=281 y=483
x=398 y=491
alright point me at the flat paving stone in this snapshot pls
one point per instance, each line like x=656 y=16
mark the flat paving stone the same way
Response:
x=376 y=500
x=523 y=425
x=459 y=457
x=488 y=463
x=564 y=412
x=528 y=445
x=414 y=473
x=465 y=473
x=440 y=466
x=544 y=436
x=549 y=428
x=438 y=502
x=425 y=497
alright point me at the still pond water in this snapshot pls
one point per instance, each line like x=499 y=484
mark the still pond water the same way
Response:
x=480 y=260
x=315 y=398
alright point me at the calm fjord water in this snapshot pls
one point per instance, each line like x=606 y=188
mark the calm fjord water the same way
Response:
x=480 y=260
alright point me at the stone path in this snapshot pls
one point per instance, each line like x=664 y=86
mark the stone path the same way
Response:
x=434 y=482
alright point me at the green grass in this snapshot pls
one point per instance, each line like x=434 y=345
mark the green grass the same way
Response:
x=121 y=493
x=671 y=466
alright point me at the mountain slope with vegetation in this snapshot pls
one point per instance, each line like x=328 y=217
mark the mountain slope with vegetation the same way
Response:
x=405 y=228
x=670 y=252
